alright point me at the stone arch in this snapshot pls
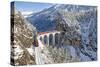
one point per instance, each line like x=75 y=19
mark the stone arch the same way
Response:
x=45 y=39
x=51 y=39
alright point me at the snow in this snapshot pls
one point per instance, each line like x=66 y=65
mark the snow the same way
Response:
x=26 y=13
x=30 y=50
x=38 y=56
x=84 y=58
x=17 y=52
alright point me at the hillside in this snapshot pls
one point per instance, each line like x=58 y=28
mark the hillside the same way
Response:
x=22 y=33
x=79 y=24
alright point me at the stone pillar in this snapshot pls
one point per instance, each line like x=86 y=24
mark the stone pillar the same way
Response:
x=58 y=39
x=48 y=39
x=53 y=38
x=42 y=39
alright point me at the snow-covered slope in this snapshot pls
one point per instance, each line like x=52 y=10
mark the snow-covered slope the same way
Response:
x=26 y=14
x=88 y=24
x=22 y=33
x=45 y=20
x=79 y=24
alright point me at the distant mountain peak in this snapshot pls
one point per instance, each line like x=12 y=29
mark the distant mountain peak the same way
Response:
x=26 y=13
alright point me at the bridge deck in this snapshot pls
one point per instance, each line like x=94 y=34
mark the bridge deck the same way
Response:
x=41 y=33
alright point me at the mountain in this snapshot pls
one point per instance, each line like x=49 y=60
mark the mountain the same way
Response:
x=79 y=24
x=26 y=13
x=22 y=37
x=46 y=18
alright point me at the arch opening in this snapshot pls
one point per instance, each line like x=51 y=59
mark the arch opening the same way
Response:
x=41 y=38
x=51 y=39
x=56 y=39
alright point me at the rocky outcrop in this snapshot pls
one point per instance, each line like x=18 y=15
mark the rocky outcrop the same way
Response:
x=22 y=37
x=80 y=32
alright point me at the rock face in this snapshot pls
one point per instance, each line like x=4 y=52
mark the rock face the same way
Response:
x=22 y=33
x=80 y=33
x=89 y=35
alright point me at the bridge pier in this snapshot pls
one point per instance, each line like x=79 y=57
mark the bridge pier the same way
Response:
x=43 y=39
x=53 y=39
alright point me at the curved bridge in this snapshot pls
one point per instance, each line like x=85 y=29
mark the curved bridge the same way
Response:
x=46 y=38
x=50 y=38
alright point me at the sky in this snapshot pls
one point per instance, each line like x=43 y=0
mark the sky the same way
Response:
x=29 y=7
